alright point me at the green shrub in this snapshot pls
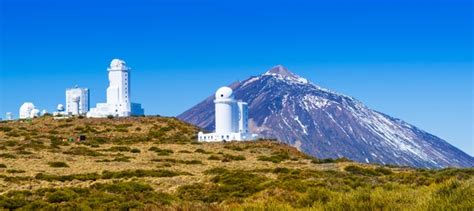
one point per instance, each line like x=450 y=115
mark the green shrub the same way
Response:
x=6 y=155
x=63 y=178
x=217 y=170
x=384 y=171
x=201 y=151
x=119 y=158
x=2 y=165
x=161 y=152
x=237 y=184
x=233 y=147
x=61 y=196
x=58 y=164
x=214 y=157
x=361 y=171
x=138 y=173
x=280 y=170
x=5 y=129
x=119 y=149
x=15 y=171
x=83 y=151
x=314 y=195
x=135 y=150
x=191 y=162
x=275 y=157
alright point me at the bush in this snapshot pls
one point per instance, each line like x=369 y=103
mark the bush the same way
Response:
x=201 y=151
x=161 y=152
x=315 y=195
x=233 y=147
x=383 y=170
x=228 y=157
x=138 y=173
x=191 y=162
x=15 y=171
x=361 y=171
x=61 y=196
x=6 y=155
x=281 y=170
x=2 y=165
x=135 y=150
x=119 y=149
x=275 y=157
x=58 y=164
x=83 y=151
x=214 y=157
x=63 y=178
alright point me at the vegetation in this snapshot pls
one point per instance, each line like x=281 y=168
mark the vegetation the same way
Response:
x=147 y=174
x=58 y=164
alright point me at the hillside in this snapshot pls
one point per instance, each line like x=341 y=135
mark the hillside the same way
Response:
x=154 y=163
x=326 y=124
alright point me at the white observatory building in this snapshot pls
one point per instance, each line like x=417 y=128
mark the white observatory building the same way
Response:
x=77 y=101
x=9 y=116
x=118 y=94
x=28 y=111
x=231 y=119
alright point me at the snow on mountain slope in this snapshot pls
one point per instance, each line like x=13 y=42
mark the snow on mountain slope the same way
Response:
x=326 y=124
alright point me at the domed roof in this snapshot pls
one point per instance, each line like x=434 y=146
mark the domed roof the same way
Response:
x=118 y=64
x=224 y=93
x=60 y=107
x=27 y=106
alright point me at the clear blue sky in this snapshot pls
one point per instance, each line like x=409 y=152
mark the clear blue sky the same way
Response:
x=411 y=59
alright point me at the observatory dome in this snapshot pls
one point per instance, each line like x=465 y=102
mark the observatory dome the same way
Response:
x=60 y=107
x=118 y=64
x=224 y=93
x=27 y=107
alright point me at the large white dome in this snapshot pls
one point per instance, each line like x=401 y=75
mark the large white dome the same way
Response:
x=27 y=106
x=224 y=93
x=26 y=109
x=118 y=64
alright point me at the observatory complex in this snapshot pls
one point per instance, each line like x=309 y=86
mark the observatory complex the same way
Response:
x=231 y=119
x=77 y=101
x=118 y=94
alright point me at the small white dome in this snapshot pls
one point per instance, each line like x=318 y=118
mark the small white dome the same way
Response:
x=60 y=107
x=34 y=113
x=224 y=93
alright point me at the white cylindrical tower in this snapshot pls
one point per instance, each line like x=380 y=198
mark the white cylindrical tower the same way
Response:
x=243 y=117
x=118 y=92
x=224 y=103
x=75 y=99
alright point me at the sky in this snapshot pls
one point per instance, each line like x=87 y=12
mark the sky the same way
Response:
x=411 y=59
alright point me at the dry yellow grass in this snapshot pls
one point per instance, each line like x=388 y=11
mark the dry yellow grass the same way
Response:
x=122 y=145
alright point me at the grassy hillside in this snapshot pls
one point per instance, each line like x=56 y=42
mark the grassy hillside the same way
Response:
x=154 y=163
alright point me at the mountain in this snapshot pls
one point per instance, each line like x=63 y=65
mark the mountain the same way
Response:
x=325 y=124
